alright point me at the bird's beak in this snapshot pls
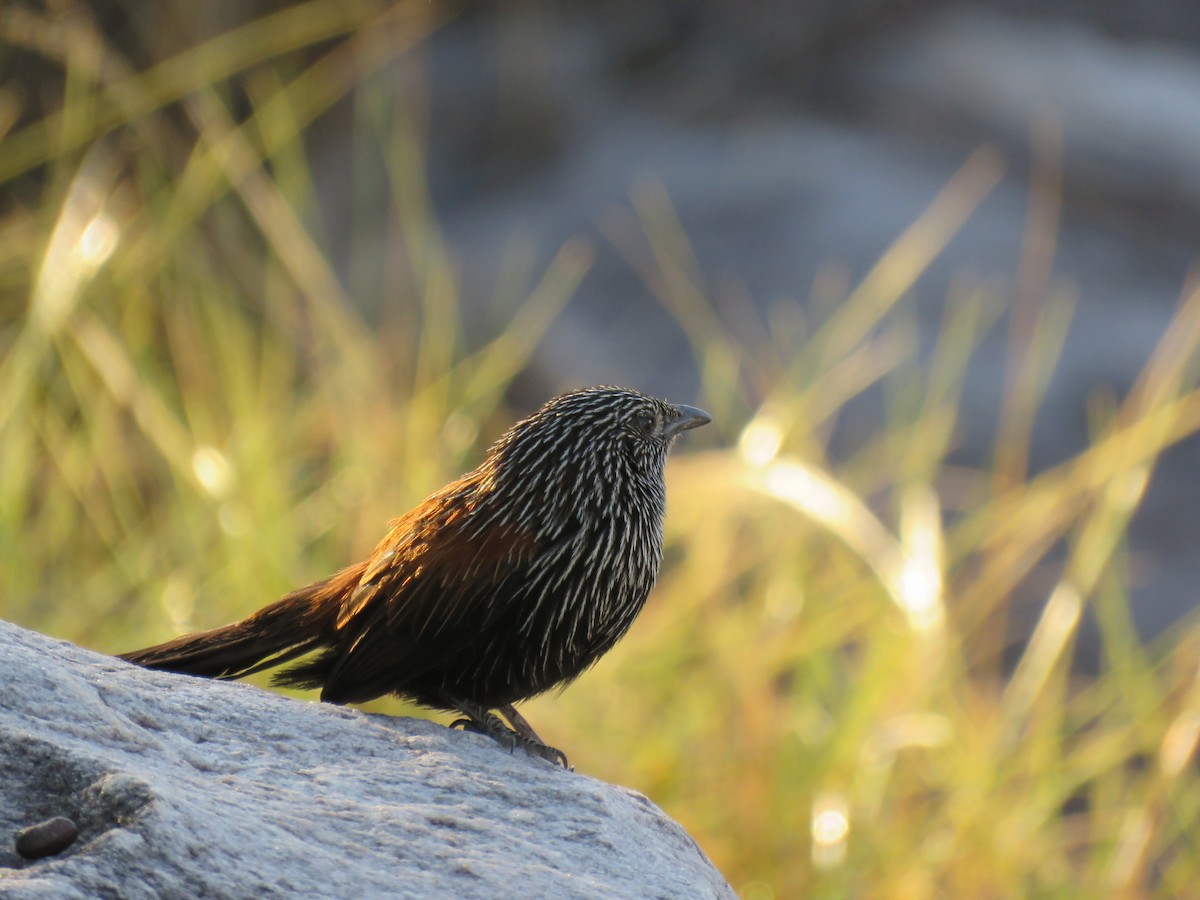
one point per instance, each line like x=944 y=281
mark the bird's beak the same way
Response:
x=689 y=417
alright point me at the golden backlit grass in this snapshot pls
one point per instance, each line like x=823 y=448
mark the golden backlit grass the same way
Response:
x=194 y=419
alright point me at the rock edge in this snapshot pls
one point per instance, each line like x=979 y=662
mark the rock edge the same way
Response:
x=186 y=787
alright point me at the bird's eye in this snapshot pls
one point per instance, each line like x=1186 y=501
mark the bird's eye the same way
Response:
x=643 y=422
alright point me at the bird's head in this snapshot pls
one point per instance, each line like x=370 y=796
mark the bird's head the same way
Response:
x=596 y=434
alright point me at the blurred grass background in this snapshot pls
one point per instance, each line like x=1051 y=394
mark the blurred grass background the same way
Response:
x=194 y=419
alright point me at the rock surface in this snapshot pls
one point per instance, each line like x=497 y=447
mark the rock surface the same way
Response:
x=184 y=787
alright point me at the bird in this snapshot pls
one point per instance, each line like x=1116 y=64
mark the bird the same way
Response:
x=508 y=582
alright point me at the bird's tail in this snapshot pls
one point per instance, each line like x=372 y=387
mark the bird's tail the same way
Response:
x=302 y=621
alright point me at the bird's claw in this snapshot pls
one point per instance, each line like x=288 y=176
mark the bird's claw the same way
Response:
x=483 y=722
x=512 y=740
x=545 y=751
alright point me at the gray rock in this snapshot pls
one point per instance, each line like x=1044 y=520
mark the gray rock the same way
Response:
x=189 y=788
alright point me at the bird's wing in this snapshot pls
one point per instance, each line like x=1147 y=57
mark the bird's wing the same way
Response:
x=429 y=587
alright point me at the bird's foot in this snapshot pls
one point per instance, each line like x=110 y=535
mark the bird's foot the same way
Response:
x=482 y=721
x=533 y=744
x=543 y=751
x=518 y=723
